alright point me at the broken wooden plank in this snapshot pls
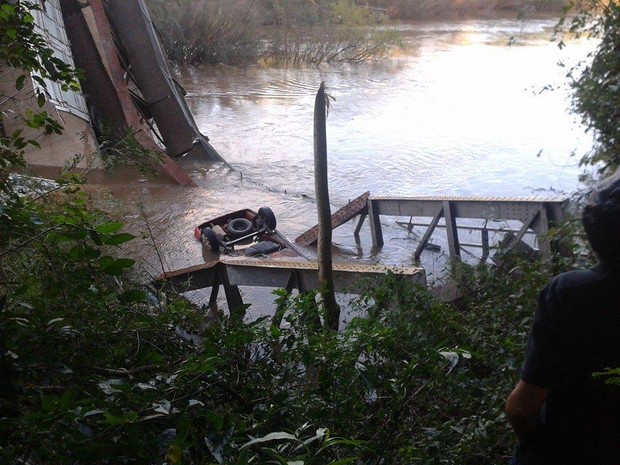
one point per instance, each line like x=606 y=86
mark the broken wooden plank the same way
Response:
x=346 y=213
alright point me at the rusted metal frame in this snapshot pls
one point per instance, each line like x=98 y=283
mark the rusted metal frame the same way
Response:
x=278 y=274
x=452 y=230
x=427 y=235
x=360 y=223
x=153 y=77
x=215 y=288
x=469 y=227
x=527 y=224
x=375 y=224
x=485 y=245
x=109 y=54
x=236 y=307
x=355 y=207
x=296 y=280
x=189 y=279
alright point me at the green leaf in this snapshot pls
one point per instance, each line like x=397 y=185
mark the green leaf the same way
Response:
x=163 y=406
x=132 y=296
x=95 y=237
x=73 y=235
x=126 y=417
x=117 y=239
x=41 y=100
x=344 y=461
x=19 y=83
x=116 y=267
x=109 y=228
x=53 y=321
x=39 y=80
x=278 y=436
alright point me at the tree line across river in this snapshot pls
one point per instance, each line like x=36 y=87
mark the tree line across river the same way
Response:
x=241 y=32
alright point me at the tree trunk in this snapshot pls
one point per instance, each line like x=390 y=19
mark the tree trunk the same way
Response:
x=324 y=248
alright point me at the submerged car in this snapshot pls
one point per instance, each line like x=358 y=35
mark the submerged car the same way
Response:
x=245 y=232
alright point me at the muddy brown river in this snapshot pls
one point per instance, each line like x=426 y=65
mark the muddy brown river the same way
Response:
x=456 y=112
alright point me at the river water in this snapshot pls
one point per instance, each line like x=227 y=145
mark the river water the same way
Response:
x=456 y=112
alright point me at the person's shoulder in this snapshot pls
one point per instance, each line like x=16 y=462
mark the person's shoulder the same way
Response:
x=578 y=278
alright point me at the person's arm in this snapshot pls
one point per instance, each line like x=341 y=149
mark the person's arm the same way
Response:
x=523 y=407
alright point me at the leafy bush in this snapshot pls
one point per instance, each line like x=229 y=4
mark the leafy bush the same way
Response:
x=95 y=368
x=97 y=372
x=596 y=85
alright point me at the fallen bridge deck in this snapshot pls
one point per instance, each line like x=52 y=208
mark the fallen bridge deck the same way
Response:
x=300 y=275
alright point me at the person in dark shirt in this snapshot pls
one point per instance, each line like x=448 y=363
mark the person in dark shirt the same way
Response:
x=561 y=413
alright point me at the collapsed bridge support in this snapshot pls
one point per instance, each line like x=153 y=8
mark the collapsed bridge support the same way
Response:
x=289 y=275
x=536 y=214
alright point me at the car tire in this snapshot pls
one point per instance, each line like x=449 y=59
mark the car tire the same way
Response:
x=239 y=227
x=266 y=217
x=210 y=239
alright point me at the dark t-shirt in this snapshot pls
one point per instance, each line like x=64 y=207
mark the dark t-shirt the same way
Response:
x=576 y=332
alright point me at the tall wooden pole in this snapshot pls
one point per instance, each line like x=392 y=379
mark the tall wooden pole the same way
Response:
x=324 y=248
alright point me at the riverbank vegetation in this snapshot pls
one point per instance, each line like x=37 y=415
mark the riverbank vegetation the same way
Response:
x=241 y=32
x=596 y=83
x=96 y=367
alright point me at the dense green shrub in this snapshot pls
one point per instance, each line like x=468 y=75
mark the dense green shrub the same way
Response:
x=96 y=372
x=596 y=84
x=95 y=368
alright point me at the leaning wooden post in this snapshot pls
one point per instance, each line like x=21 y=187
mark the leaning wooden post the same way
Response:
x=324 y=247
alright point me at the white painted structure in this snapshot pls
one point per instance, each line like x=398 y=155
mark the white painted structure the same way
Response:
x=50 y=25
